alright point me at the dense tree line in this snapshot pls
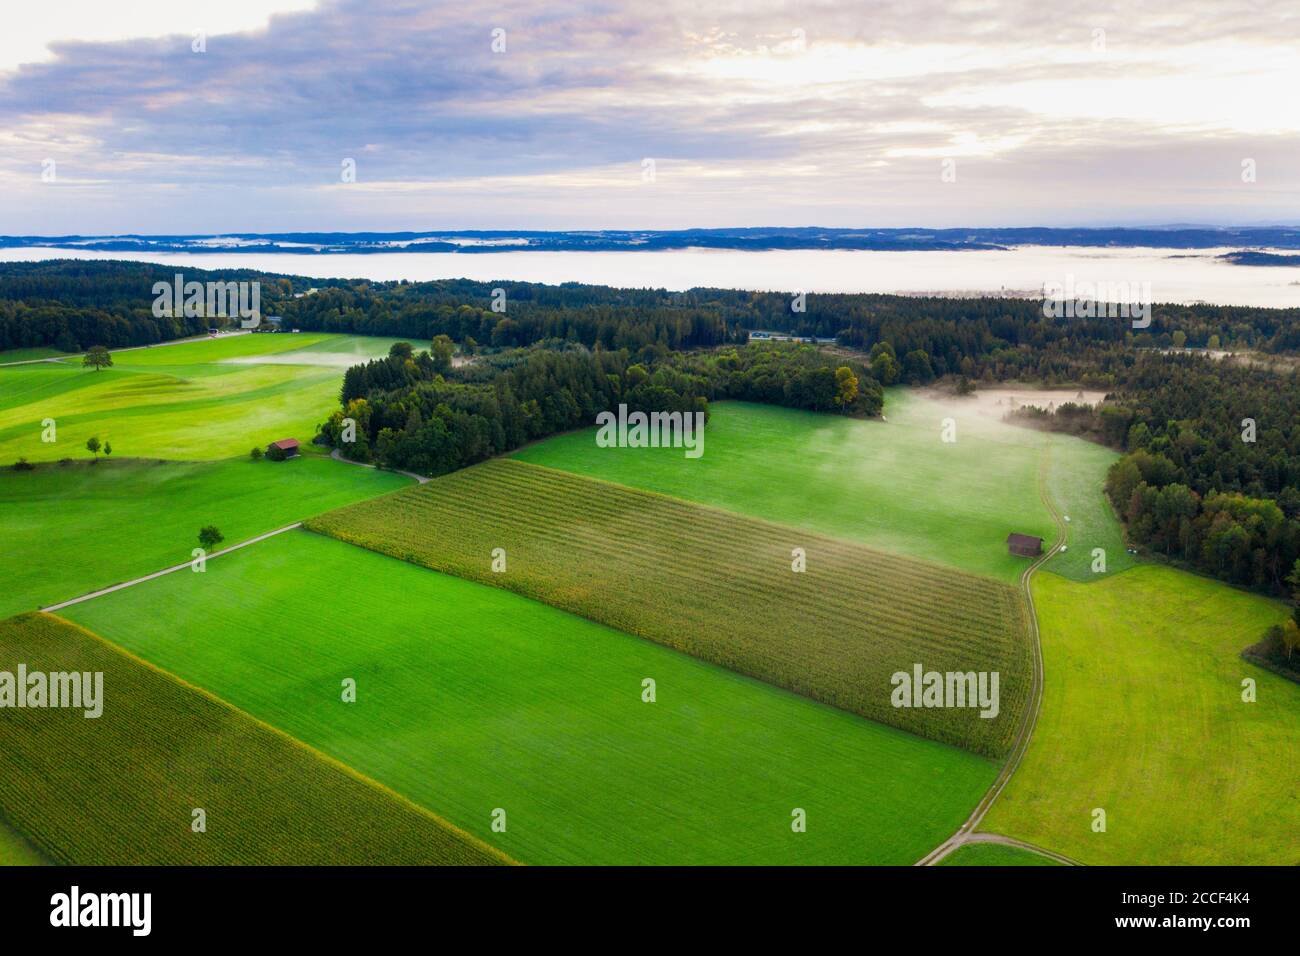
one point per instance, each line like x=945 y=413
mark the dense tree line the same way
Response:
x=410 y=413
x=1211 y=474
x=993 y=338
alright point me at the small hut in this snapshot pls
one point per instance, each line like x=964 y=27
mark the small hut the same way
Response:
x=1024 y=545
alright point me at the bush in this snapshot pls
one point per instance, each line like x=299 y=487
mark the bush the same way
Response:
x=256 y=453
x=274 y=454
x=22 y=464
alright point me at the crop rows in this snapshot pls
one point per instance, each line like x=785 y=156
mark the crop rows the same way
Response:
x=717 y=585
x=121 y=789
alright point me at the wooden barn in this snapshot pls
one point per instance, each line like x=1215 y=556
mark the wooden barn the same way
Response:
x=1025 y=545
x=284 y=448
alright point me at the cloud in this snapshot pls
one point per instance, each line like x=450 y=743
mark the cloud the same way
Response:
x=756 y=113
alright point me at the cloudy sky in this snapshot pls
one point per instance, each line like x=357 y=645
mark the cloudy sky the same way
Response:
x=171 y=116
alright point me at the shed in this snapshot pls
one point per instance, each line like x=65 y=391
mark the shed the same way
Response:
x=1025 y=545
x=284 y=448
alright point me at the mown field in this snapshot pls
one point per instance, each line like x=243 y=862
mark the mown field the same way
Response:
x=993 y=854
x=471 y=698
x=893 y=485
x=718 y=586
x=121 y=789
x=202 y=400
x=1075 y=479
x=70 y=530
x=27 y=355
x=1142 y=717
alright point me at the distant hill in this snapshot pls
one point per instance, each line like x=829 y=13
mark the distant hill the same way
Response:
x=753 y=238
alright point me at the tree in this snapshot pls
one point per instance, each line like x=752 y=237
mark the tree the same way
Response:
x=1290 y=638
x=97 y=357
x=256 y=453
x=210 y=537
x=401 y=350
x=92 y=446
x=1180 y=339
x=108 y=448
x=846 y=387
x=441 y=350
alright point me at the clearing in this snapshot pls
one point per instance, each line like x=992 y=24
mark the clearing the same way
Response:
x=196 y=400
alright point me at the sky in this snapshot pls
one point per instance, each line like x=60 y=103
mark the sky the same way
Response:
x=180 y=117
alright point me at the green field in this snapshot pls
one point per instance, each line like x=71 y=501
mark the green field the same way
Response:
x=70 y=530
x=994 y=854
x=27 y=355
x=893 y=485
x=120 y=789
x=470 y=698
x=1076 y=475
x=719 y=586
x=1142 y=717
x=203 y=400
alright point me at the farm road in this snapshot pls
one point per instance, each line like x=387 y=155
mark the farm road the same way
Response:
x=966 y=832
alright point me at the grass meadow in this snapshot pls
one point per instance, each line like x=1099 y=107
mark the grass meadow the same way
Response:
x=893 y=485
x=68 y=530
x=1143 y=718
x=201 y=400
x=120 y=789
x=719 y=586
x=472 y=699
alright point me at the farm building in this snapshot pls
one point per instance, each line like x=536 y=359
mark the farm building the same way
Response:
x=1025 y=545
x=284 y=448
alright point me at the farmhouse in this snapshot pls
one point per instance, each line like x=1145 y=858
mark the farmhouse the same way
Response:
x=1025 y=545
x=284 y=448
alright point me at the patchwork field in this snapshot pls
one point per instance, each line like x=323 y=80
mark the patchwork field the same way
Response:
x=472 y=699
x=70 y=530
x=202 y=400
x=894 y=485
x=718 y=586
x=1143 y=718
x=121 y=788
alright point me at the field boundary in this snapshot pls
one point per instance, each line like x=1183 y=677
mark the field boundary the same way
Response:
x=966 y=832
x=157 y=574
x=291 y=740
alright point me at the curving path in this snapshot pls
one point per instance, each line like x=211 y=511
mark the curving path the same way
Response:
x=338 y=456
x=966 y=832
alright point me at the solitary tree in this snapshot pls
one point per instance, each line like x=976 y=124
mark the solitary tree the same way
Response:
x=442 y=349
x=108 y=448
x=256 y=453
x=92 y=446
x=846 y=387
x=97 y=357
x=210 y=537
